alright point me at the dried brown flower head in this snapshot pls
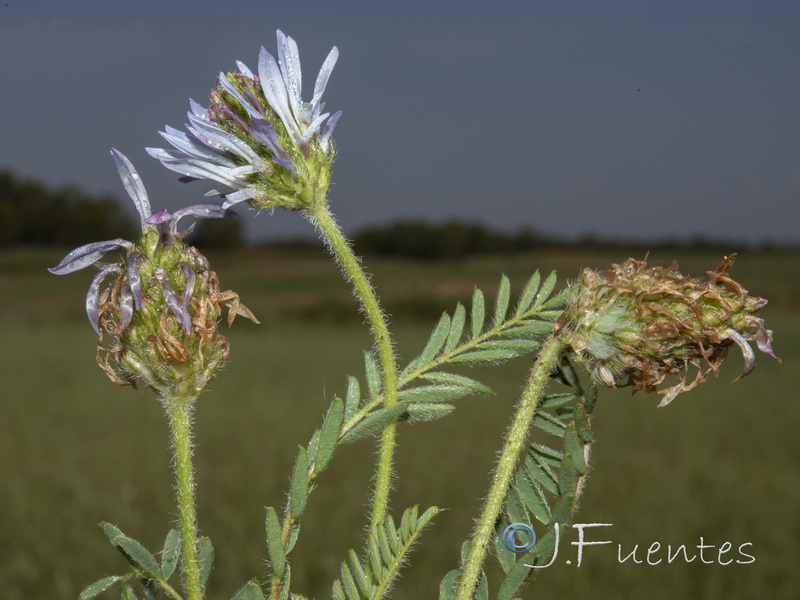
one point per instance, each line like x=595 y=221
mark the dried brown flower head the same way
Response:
x=634 y=325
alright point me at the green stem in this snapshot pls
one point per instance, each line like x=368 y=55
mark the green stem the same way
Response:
x=180 y=410
x=340 y=247
x=515 y=441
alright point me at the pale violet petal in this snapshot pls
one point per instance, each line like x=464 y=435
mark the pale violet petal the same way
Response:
x=275 y=90
x=125 y=306
x=188 y=273
x=135 y=260
x=158 y=217
x=192 y=148
x=237 y=197
x=82 y=257
x=93 y=296
x=322 y=79
x=168 y=293
x=199 y=211
x=265 y=134
x=327 y=131
x=132 y=183
x=244 y=70
x=198 y=110
x=289 y=58
x=314 y=126
x=228 y=87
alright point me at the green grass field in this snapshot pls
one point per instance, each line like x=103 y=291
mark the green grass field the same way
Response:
x=719 y=463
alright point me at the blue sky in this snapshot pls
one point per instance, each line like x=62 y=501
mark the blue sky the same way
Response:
x=632 y=119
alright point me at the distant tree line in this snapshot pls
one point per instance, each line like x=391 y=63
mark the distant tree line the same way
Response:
x=31 y=214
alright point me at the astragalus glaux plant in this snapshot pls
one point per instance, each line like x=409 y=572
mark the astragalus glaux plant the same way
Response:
x=158 y=306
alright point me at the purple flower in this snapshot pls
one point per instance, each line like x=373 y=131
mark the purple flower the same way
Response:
x=126 y=273
x=259 y=140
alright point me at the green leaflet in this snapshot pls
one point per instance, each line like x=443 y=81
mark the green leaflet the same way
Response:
x=374 y=422
x=501 y=304
x=437 y=339
x=98 y=587
x=526 y=298
x=433 y=393
x=171 y=553
x=474 y=386
x=250 y=591
x=352 y=399
x=127 y=593
x=206 y=558
x=546 y=289
x=329 y=435
x=138 y=556
x=478 y=313
x=447 y=589
x=532 y=496
x=514 y=579
x=549 y=423
x=505 y=557
x=422 y=411
x=277 y=558
x=373 y=372
x=456 y=328
x=370 y=577
x=298 y=491
x=484 y=356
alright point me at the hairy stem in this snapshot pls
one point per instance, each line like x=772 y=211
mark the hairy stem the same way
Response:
x=179 y=409
x=340 y=248
x=515 y=441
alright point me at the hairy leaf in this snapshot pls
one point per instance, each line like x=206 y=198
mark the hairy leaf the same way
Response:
x=456 y=327
x=329 y=435
x=437 y=339
x=206 y=559
x=422 y=411
x=501 y=304
x=373 y=371
x=460 y=380
x=546 y=289
x=483 y=356
x=138 y=556
x=433 y=393
x=250 y=591
x=386 y=551
x=353 y=398
x=526 y=298
x=169 y=557
x=375 y=422
x=478 y=313
x=298 y=494
x=275 y=542
x=98 y=587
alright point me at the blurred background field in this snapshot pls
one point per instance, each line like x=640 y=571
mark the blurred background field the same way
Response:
x=719 y=463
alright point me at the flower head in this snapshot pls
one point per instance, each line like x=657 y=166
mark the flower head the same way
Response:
x=160 y=303
x=258 y=139
x=633 y=325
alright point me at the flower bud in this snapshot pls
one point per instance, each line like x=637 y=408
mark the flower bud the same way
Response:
x=633 y=325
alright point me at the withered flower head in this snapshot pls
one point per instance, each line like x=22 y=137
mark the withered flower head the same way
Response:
x=156 y=309
x=634 y=325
